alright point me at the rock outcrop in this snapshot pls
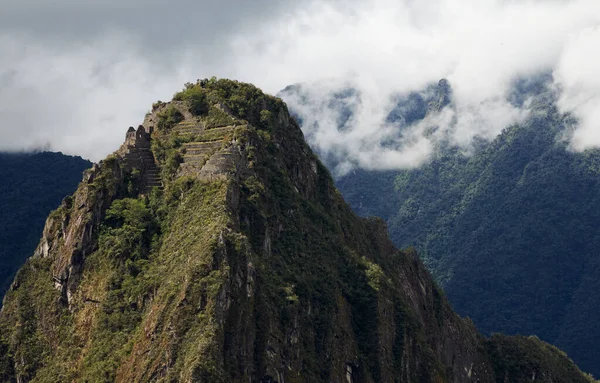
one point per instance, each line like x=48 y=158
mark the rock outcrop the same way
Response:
x=71 y=229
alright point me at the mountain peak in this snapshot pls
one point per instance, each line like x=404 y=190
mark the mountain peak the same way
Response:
x=205 y=130
x=442 y=98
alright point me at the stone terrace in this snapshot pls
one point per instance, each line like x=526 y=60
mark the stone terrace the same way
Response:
x=200 y=156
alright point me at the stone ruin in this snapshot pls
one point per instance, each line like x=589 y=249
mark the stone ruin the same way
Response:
x=139 y=138
x=138 y=155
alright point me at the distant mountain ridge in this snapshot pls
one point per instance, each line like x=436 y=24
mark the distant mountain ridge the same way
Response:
x=512 y=232
x=31 y=185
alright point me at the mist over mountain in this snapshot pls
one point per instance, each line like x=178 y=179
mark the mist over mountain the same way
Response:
x=508 y=226
x=410 y=128
x=31 y=185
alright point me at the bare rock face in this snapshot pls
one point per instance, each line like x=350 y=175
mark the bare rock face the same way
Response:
x=443 y=97
x=245 y=265
x=69 y=232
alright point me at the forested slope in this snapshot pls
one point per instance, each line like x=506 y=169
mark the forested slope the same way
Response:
x=511 y=232
x=31 y=185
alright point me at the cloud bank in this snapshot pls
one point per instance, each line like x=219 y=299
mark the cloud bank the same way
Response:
x=75 y=76
x=77 y=100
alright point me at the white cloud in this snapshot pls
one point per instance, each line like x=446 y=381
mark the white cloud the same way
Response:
x=578 y=79
x=385 y=47
x=80 y=91
x=78 y=100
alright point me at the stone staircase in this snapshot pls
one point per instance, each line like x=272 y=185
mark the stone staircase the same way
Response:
x=143 y=160
x=152 y=178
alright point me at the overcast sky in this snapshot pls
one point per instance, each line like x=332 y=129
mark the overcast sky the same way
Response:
x=74 y=75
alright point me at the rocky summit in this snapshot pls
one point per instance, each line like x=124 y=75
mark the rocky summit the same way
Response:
x=213 y=247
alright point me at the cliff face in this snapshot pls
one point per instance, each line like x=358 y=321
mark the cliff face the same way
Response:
x=514 y=221
x=247 y=266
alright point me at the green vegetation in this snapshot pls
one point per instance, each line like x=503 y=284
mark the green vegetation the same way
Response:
x=293 y=261
x=244 y=101
x=167 y=152
x=124 y=249
x=217 y=117
x=196 y=99
x=123 y=277
x=509 y=233
x=170 y=117
x=29 y=299
x=522 y=358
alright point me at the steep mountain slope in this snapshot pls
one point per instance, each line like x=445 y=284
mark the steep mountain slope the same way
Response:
x=31 y=185
x=245 y=264
x=510 y=233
